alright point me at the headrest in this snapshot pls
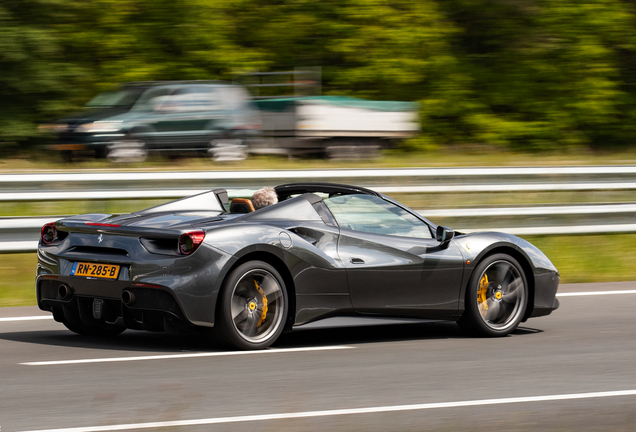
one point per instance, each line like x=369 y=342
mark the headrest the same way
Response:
x=241 y=205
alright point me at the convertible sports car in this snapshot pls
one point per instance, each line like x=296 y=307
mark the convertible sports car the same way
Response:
x=324 y=251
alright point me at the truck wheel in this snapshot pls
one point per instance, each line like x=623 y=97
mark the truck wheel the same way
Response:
x=226 y=150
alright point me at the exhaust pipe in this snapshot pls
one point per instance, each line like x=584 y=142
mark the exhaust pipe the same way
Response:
x=65 y=292
x=127 y=298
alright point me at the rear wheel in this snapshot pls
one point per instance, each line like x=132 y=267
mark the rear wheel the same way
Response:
x=227 y=150
x=253 y=306
x=89 y=330
x=130 y=150
x=496 y=297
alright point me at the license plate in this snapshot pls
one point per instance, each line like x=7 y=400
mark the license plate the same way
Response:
x=106 y=271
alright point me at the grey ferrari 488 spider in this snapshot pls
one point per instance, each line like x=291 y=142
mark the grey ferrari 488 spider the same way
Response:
x=323 y=252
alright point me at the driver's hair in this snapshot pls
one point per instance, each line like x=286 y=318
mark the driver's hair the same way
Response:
x=263 y=197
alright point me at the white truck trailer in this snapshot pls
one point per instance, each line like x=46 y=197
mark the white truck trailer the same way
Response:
x=336 y=126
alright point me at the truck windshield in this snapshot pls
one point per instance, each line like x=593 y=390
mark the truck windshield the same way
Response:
x=114 y=99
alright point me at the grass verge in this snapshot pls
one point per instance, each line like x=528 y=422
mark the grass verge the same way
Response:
x=17 y=279
x=589 y=258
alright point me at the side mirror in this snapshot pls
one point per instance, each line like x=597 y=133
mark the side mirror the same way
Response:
x=444 y=234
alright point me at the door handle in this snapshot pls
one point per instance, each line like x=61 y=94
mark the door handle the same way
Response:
x=356 y=260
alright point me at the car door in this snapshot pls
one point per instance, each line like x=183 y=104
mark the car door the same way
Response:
x=394 y=265
x=184 y=116
x=146 y=115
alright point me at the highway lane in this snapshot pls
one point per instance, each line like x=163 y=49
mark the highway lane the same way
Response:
x=588 y=345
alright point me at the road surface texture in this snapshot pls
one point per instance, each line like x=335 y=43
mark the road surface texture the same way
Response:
x=573 y=370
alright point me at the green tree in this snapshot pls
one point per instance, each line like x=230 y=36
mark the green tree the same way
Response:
x=529 y=74
x=32 y=74
x=544 y=73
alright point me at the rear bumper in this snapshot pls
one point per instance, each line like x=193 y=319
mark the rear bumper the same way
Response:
x=184 y=286
x=95 y=302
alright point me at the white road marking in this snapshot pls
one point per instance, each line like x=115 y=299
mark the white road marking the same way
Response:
x=191 y=355
x=26 y=318
x=336 y=412
x=595 y=293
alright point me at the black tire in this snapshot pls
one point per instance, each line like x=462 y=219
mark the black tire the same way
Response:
x=496 y=297
x=252 y=309
x=89 y=330
x=227 y=149
x=128 y=150
x=67 y=156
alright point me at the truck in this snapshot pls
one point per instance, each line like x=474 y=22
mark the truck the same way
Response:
x=225 y=122
x=334 y=126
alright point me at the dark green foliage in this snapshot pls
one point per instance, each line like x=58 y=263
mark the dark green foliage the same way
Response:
x=526 y=74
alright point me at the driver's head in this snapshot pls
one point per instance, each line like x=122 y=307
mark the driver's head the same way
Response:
x=263 y=197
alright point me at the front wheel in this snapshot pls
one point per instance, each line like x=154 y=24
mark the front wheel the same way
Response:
x=496 y=297
x=253 y=306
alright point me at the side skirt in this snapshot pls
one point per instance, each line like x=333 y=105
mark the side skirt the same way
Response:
x=362 y=321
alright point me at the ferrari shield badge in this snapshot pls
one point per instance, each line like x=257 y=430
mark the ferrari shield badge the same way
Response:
x=467 y=247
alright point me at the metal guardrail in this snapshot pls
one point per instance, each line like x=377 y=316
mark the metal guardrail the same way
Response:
x=177 y=193
x=20 y=234
x=154 y=184
x=492 y=172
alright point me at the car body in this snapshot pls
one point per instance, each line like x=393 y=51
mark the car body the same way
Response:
x=168 y=117
x=322 y=251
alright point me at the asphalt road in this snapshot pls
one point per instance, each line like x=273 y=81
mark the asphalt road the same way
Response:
x=556 y=373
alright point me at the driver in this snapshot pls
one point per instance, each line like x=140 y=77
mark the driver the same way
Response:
x=264 y=197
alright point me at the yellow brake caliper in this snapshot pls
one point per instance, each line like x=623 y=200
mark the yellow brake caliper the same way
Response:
x=264 y=313
x=481 y=293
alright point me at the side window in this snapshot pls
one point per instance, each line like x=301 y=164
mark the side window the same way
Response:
x=188 y=99
x=372 y=214
x=151 y=98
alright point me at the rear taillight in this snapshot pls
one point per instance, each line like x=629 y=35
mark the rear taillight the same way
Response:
x=190 y=241
x=47 y=234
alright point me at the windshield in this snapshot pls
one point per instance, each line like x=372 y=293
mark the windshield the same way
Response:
x=170 y=100
x=372 y=214
x=112 y=99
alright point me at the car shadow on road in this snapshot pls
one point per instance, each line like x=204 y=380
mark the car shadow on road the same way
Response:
x=143 y=341
x=130 y=340
x=381 y=333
